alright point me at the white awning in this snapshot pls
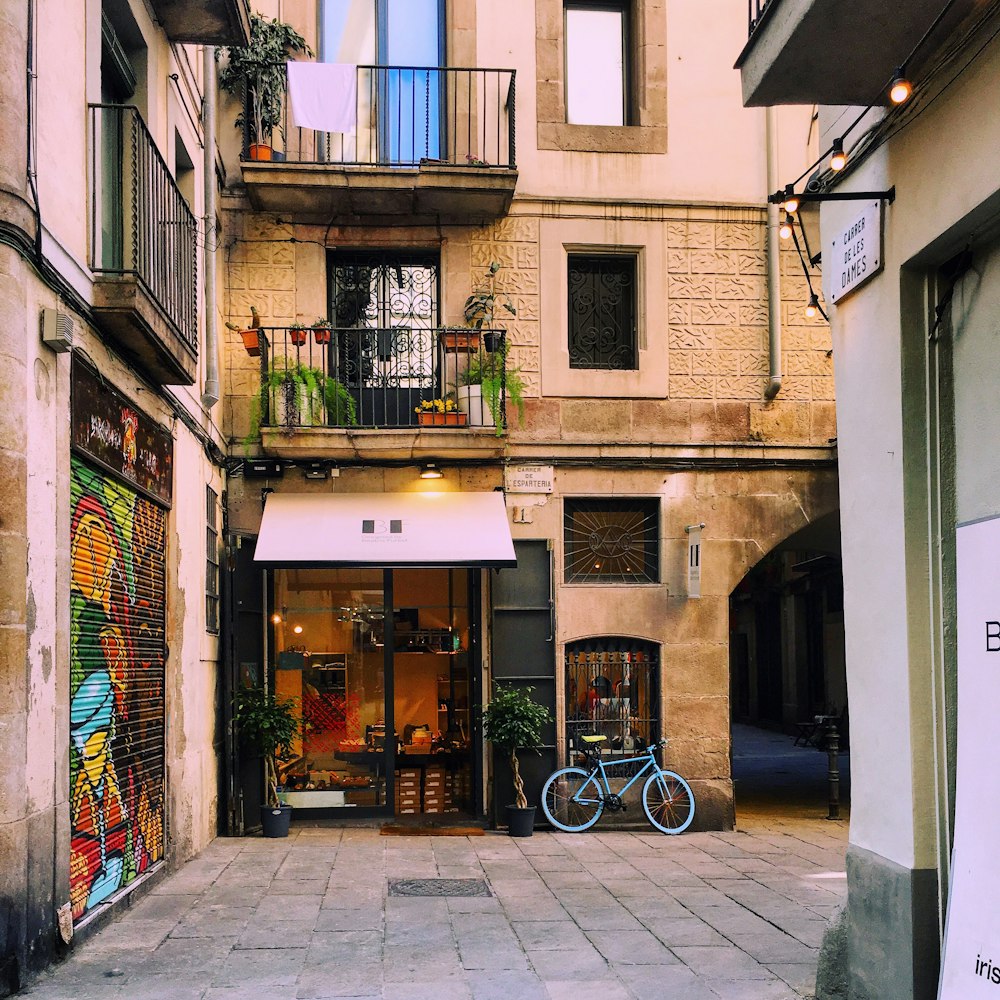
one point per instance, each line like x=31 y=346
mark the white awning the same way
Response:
x=385 y=529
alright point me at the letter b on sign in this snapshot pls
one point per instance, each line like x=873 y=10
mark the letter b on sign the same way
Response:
x=993 y=637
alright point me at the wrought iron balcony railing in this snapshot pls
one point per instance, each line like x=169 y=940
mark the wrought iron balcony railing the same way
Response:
x=392 y=377
x=756 y=9
x=405 y=116
x=140 y=223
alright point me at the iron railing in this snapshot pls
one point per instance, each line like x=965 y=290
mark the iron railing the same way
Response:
x=380 y=377
x=405 y=116
x=140 y=223
x=612 y=690
x=756 y=9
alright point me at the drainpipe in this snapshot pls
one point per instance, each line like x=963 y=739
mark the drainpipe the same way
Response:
x=210 y=396
x=773 y=245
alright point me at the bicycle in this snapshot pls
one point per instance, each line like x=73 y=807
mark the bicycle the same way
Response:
x=574 y=799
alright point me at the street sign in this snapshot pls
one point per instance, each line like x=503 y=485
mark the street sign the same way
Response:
x=528 y=478
x=856 y=252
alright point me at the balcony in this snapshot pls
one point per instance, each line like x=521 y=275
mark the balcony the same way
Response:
x=368 y=393
x=830 y=52
x=429 y=144
x=205 y=22
x=143 y=251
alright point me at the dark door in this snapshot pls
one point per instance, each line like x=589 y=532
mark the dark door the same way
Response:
x=523 y=654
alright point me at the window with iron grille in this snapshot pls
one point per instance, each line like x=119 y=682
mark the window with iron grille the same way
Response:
x=611 y=541
x=612 y=690
x=602 y=311
x=211 y=560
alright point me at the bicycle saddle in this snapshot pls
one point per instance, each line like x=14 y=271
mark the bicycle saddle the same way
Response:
x=593 y=739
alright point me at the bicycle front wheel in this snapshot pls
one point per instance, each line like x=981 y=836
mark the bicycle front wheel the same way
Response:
x=572 y=799
x=668 y=802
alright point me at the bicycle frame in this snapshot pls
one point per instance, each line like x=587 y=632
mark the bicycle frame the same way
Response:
x=602 y=768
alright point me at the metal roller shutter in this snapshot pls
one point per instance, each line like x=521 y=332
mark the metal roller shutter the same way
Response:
x=117 y=655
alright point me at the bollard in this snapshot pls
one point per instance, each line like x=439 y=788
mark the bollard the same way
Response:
x=832 y=739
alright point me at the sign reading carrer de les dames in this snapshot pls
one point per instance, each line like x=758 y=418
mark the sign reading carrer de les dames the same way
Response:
x=972 y=939
x=856 y=254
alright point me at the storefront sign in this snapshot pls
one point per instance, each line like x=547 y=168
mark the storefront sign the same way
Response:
x=528 y=478
x=971 y=965
x=694 y=559
x=111 y=431
x=856 y=253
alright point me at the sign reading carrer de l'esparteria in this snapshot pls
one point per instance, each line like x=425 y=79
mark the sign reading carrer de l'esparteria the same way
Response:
x=971 y=966
x=856 y=254
x=528 y=478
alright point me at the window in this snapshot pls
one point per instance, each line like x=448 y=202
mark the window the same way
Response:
x=602 y=312
x=211 y=561
x=612 y=691
x=611 y=541
x=596 y=41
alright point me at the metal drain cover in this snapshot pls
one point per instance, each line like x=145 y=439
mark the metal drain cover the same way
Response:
x=438 y=887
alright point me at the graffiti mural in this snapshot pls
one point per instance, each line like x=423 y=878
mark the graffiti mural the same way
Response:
x=117 y=618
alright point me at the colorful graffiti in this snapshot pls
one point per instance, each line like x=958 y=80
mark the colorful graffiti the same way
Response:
x=116 y=686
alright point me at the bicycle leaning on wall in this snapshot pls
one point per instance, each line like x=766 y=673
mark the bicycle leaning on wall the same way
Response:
x=574 y=798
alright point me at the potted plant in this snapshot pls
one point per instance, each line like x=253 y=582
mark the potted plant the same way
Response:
x=322 y=330
x=513 y=721
x=460 y=338
x=298 y=333
x=484 y=386
x=268 y=727
x=439 y=413
x=250 y=337
x=260 y=68
x=481 y=305
x=301 y=394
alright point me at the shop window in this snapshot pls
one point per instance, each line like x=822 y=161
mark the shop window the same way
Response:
x=612 y=690
x=597 y=70
x=602 y=311
x=611 y=541
x=211 y=561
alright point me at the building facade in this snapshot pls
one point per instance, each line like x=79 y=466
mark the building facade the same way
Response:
x=604 y=191
x=112 y=461
x=916 y=408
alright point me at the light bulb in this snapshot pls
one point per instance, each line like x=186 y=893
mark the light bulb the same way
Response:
x=785 y=229
x=812 y=309
x=297 y=630
x=431 y=471
x=900 y=89
x=276 y=618
x=791 y=200
x=838 y=158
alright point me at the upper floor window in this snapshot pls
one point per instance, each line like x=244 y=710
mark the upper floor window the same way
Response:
x=597 y=70
x=612 y=540
x=602 y=311
x=211 y=560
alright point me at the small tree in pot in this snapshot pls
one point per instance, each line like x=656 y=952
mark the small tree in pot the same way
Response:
x=513 y=721
x=269 y=726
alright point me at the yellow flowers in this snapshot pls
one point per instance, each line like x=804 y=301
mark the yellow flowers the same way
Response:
x=435 y=406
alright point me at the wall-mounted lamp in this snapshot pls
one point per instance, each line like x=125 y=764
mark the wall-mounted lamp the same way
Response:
x=297 y=630
x=276 y=618
x=431 y=471
x=838 y=158
x=785 y=229
x=900 y=90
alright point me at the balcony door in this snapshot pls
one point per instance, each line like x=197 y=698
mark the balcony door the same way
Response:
x=398 y=45
x=384 y=305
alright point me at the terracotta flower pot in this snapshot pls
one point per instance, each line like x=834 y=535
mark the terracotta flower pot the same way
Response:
x=322 y=335
x=432 y=419
x=298 y=337
x=460 y=340
x=260 y=151
x=251 y=341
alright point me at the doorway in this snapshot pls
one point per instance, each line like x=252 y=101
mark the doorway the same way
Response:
x=383 y=666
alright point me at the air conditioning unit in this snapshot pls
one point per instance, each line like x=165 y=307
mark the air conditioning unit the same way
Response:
x=57 y=330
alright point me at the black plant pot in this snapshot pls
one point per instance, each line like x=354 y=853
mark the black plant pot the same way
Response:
x=275 y=821
x=493 y=340
x=520 y=822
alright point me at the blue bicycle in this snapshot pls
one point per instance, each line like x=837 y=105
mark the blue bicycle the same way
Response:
x=574 y=798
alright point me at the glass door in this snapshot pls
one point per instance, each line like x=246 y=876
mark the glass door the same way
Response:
x=328 y=630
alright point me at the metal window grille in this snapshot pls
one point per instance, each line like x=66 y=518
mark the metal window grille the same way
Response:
x=211 y=560
x=611 y=541
x=612 y=690
x=602 y=312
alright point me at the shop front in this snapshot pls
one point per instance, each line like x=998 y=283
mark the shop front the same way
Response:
x=373 y=626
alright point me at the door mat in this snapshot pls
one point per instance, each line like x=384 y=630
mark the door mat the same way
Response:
x=439 y=887
x=399 y=830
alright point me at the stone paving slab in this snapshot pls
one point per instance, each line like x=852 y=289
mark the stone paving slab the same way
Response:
x=608 y=915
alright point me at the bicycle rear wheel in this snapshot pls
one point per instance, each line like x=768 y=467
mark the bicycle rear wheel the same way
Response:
x=668 y=802
x=572 y=799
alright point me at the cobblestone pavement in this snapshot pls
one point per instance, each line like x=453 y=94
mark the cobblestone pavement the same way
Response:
x=612 y=915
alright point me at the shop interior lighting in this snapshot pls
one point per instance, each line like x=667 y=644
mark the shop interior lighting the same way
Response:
x=785 y=229
x=431 y=471
x=276 y=618
x=838 y=158
x=900 y=90
x=297 y=630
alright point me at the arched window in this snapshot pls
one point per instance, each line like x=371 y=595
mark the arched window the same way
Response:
x=612 y=689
